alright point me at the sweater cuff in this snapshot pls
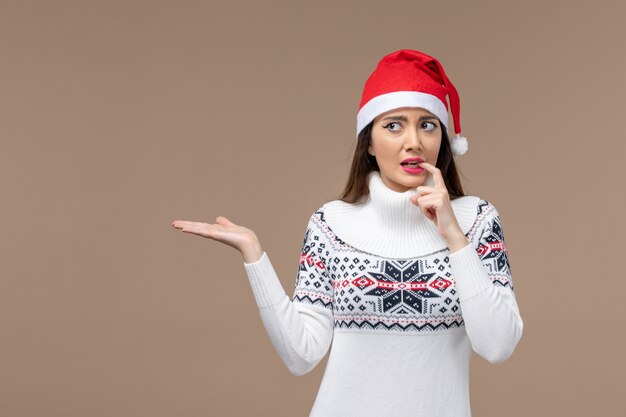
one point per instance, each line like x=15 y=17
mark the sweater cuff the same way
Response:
x=469 y=273
x=265 y=284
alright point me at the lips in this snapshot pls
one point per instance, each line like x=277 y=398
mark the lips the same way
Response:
x=411 y=162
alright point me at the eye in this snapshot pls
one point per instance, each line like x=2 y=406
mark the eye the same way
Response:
x=429 y=125
x=393 y=126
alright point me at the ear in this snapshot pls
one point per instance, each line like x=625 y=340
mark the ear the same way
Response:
x=370 y=150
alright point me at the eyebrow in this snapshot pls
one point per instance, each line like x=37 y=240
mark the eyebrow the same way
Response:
x=404 y=118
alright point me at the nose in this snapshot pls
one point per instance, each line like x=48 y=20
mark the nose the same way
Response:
x=412 y=140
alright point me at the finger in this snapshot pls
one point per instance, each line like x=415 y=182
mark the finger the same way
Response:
x=426 y=211
x=420 y=197
x=435 y=172
x=194 y=228
x=425 y=190
x=223 y=220
x=182 y=223
x=429 y=206
x=416 y=200
x=203 y=229
x=432 y=201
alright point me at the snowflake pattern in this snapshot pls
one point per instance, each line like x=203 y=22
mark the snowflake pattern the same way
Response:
x=367 y=292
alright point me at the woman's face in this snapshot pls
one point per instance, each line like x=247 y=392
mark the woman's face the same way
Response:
x=400 y=138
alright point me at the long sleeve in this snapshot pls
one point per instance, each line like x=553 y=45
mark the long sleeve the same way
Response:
x=301 y=329
x=483 y=277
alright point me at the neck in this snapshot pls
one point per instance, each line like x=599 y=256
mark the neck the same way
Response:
x=394 y=209
x=389 y=225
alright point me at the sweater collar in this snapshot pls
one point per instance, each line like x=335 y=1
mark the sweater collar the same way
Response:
x=388 y=224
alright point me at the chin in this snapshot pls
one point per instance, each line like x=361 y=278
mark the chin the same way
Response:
x=416 y=183
x=403 y=181
x=414 y=179
x=411 y=184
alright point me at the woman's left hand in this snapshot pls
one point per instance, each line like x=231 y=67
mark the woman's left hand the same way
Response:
x=436 y=206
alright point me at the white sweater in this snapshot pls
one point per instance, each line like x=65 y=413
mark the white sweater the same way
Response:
x=402 y=312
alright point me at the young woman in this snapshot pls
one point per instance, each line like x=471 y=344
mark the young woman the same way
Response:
x=404 y=273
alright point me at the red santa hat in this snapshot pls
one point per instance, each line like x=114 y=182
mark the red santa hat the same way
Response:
x=409 y=78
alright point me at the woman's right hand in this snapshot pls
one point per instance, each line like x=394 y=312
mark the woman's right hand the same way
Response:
x=225 y=231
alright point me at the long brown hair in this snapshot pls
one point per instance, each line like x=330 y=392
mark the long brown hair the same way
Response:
x=363 y=164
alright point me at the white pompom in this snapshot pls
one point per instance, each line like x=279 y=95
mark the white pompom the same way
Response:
x=459 y=145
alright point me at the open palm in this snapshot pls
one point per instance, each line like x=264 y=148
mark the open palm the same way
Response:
x=224 y=231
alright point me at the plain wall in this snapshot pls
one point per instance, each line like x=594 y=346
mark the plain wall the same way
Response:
x=118 y=117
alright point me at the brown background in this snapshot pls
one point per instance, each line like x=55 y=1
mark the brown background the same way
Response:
x=118 y=117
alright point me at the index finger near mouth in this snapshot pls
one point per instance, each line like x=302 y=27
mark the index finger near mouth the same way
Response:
x=436 y=173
